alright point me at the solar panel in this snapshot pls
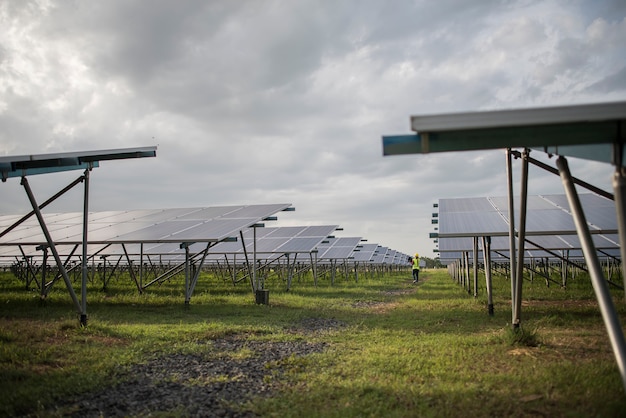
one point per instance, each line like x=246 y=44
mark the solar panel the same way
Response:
x=279 y=240
x=338 y=248
x=549 y=223
x=365 y=253
x=379 y=255
x=137 y=226
x=24 y=165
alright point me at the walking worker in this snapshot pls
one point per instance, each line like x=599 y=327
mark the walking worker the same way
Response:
x=416 y=267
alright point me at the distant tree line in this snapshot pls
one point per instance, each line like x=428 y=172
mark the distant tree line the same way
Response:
x=432 y=262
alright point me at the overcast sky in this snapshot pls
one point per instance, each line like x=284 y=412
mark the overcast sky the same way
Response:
x=286 y=101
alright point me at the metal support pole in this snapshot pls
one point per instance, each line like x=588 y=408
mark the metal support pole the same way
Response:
x=461 y=275
x=83 y=312
x=141 y=265
x=475 y=267
x=467 y=283
x=198 y=268
x=619 y=189
x=289 y=276
x=609 y=315
x=509 y=175
x=50 y=242
x=487 y=258
x=522 y=234
x=564 y=269
x=315 y=268
x=245 y=253
x=131 y=270
x=254 y=273
x=187 y=272
x=44 y=270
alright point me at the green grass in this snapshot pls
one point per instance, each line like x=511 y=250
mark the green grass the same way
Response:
x=404 y=352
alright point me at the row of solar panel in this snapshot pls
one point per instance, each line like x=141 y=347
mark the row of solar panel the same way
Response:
x=163 y=231
x=550 y=227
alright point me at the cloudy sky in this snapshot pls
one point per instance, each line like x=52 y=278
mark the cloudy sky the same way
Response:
x=286 y=101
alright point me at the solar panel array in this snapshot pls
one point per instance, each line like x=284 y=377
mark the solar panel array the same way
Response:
x=160 y=232
x=211 y=224
x=549 y=225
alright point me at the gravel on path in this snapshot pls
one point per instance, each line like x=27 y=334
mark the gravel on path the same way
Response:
x=217 y=383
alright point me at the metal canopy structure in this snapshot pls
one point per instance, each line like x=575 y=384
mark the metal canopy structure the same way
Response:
x=26 y=165
x=566 y=130
x=23 y=166
x=594 y=131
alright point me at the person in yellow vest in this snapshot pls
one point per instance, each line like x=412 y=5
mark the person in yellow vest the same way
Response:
x=416 y=267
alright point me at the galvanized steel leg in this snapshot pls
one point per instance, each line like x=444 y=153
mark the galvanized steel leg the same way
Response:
x=50 y=242
x=131 y=271
x=313 y=257
x=487 y=259
x=254 y=273
x=565 y=268
x=522 y=235
x=467 y=283
x=609 y=315
x=198 y=269
x=509 y=175
x=245 y=253
x=141 y=265
x=44 y=270
x=83 y=312
x=475 y=267
x=187 y=273
x=619 y=189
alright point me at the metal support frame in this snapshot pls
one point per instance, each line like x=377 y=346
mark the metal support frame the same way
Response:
x=43 y=205
x=607 y=309
x=464 y=270
x=577 y=181
x=255 y=282
x=44 y=270
x=141 y=265
x=512 y=261
x=313 y=257
x=245 y=253
x=619 y=188
x=517 y=311
x=31 y=274
x=192 y=280
x=83 y=312
x=333 y=271
x=487 y=260
x=475 y=239
x=291 y=269
x=131 y=270
x=105 y=280
x=565 y=260
x=51 y=245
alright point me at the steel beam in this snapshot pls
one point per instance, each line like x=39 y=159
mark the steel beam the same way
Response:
x=607 y=309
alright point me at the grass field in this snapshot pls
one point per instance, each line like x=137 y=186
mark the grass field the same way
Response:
x=401 y=351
